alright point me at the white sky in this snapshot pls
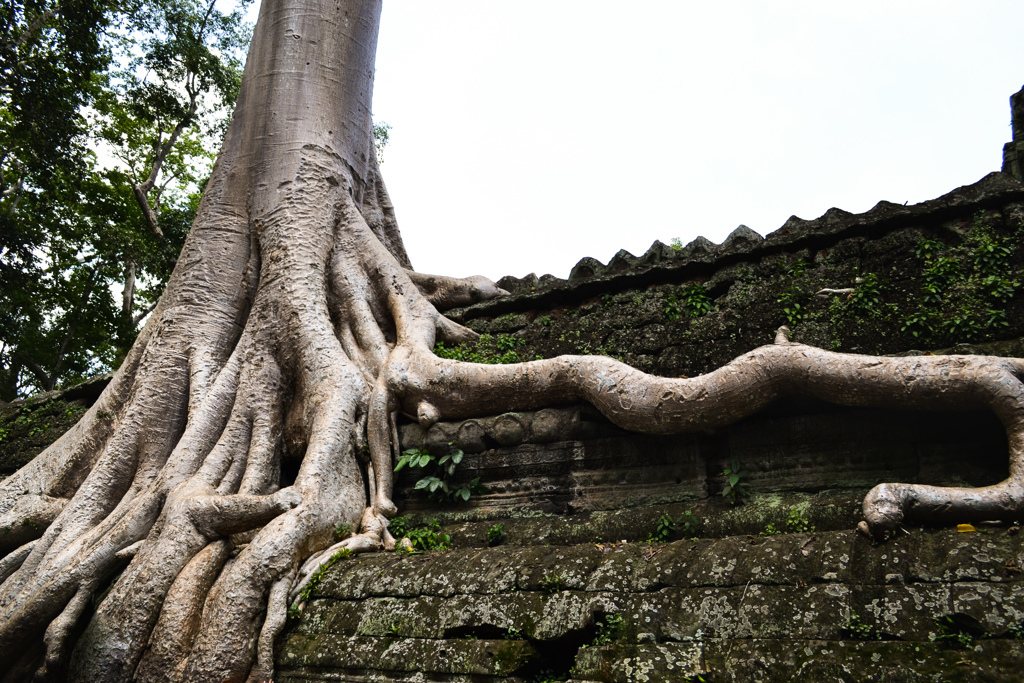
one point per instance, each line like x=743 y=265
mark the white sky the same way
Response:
x=530 y=133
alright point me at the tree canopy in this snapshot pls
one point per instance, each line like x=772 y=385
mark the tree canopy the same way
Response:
x=110 y=117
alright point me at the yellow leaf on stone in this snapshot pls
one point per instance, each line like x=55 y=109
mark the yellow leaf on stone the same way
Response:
x=962 y=528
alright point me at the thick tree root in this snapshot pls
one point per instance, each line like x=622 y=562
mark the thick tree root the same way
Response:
x=430 y=388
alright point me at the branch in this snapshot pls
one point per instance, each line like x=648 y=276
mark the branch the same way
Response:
x=141 y=191
x=35 y=26
x=40 y=374
x=147 y=211
x=128 y=295
x=825 y=293
x=137 y=318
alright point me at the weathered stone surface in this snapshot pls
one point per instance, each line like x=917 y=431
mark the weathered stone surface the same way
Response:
x=636 y=663
x=567 y=459
x=361 y=655
x=738 y=608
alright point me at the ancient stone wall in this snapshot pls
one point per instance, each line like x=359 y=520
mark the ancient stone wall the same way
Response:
x=1013 y=151
x=918 y=277
x=591 y=554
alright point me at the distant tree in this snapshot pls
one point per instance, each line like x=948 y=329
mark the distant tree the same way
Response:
x=100 y=196
x=50 y=55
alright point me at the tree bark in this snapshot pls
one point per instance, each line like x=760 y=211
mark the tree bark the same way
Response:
x=294 y=326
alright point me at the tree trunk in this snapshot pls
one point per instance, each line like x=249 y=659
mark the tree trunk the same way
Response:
x=293 y=329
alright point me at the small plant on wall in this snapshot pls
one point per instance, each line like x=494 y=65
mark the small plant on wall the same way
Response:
x=439 y=472
x=735 y=490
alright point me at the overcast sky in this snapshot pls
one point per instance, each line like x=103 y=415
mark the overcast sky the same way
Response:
x=529 y=134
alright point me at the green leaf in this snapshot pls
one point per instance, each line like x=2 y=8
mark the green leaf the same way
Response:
x=423 y=483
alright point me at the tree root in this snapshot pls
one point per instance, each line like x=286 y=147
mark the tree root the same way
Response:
x=431 y=387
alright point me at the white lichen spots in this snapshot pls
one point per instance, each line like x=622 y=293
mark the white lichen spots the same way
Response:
x=638 y=670
x=876 y=658
x=837 y=590
x=719 y=571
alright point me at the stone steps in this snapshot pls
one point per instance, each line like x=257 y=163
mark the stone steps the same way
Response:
x=737 y=608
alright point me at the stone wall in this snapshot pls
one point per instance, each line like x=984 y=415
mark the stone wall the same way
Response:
x=928 y=606
x=645 y=310
x=587 y=582
x=1013 y=151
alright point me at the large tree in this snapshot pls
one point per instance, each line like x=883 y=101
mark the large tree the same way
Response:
x=160 y=540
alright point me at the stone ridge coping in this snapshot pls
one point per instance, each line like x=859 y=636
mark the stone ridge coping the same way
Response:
x=88 y=390
x=701 y=257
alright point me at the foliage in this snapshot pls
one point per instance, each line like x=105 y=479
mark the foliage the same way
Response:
x=692 y=301
x=667 y=525
x=609 y=629
x=440 y=473
x=952 y=632
x=1017 y=630
x=920 y=324
x=793 y=306
x=425 y=538
x=735 y=490
x=866 y=298
x=671 y=308
x=676 y=244
x=398 y=527
x=797 y=523
x=696 y=301
x=381 y=138
x=318 y=575
x=496 y=534
x=793 y=298
x=796 y=269
x=488 y=349
x=342 y=531
x=859 y=630
x=548 y=676
x=965 y=288
x=120 y=77
x=553 y=583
